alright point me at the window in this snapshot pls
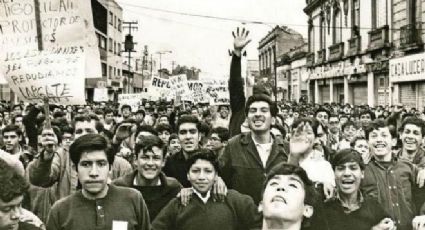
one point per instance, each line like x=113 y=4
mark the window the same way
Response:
x=355 y=18
x=111 y=45
x=322 y=32
x=104 y=69
x=115 y=48
x=119 y=73
x=381 y=82
x=119 y=49
x=115 y=22
x=111 y=18
x=311 y=37
x=110 y=72
x=119 y=25
x=115 y=71
x=337 y=25
x=101 y=41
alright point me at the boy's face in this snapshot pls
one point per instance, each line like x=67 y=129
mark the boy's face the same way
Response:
x=362 y=147
x=259 y=116
x=348 y=177
x=411 y=137
x=93 y=171
x=175 y=146
x=202 y=176
x=189 y=137
x=11 y=140
x=214 y=142
x=322 y=117
x=10 y=213
x=150 y=163
x=283 y=198
x=164 y=136
x=349 y=132
x=380 y=143
x=84 y=127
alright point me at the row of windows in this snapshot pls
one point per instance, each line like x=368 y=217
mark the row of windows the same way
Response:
x=114 y=47
x=114 y=21
x=113 y=71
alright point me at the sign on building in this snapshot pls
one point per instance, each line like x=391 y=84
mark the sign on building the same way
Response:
x=407 y=68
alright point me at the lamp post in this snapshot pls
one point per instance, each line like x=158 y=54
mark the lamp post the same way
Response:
x=160 y=59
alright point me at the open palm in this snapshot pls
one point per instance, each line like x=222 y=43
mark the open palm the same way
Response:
x=240 y=39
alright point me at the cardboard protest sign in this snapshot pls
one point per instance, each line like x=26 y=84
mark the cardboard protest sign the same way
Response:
x=198 y=92
x=60 y=77
x=218 y=91
x=65 y=25
x=179 y=85
x=100 y=94
x=132 y=99
x=159 y=88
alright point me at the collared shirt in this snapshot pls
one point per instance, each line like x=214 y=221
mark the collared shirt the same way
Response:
x=135 y=183
x=204 y=199
x=264 y=150
x=351 y=208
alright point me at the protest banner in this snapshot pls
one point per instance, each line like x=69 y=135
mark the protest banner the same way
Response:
x=179 y=85
x=60 y=77
x=217 y=90
x=158 y=88
x=66 y=27
x=132 y=99
x=100 y=94
x=197 y=90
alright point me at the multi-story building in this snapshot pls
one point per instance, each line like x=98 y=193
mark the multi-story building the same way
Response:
x=351 y=46
x=407 y=67
x=277 y=42
x=107 y=15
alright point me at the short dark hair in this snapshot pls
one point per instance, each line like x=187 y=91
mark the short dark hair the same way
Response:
x=222 y=132
x=313 y=122
x=173 y=136
x=376 y=125
x=12 y=128
x=347 y=155
x=371 y=114
x=348 y=124
x=163 y=127
x=90 y=142
x=188 y=119
x=141 y=111
x=204 y=154
x=261 y=97
x=146 y=143
x=413 y=121
x=146 y=128
x=321 y=109
x=125 y=107
x=288 y=169
x=12 y=183
x=357 y=138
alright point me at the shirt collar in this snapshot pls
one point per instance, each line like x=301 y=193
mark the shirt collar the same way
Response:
x=256 y=143
x=347 y=208
x=135 y=183
x=204 y=199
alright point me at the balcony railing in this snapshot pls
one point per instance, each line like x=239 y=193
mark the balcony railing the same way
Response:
x=336 y=51
x=321 y=56
x=378 y=38
x=310 y=59
x=410 y=36
x=354 y=46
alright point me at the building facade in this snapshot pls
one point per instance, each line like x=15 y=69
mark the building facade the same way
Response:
x=108 y=19
x=277 y=42
x=351 y=46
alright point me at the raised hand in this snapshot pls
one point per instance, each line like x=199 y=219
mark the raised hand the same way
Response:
x=240 y=41
x=299 y=143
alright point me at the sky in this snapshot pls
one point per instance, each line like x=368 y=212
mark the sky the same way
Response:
x=204 y=42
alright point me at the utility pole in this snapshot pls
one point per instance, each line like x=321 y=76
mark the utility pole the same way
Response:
x=160 y=60
x=129 y=47
x=144 y=65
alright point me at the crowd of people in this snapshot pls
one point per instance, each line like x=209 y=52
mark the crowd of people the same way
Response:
x=252 y=164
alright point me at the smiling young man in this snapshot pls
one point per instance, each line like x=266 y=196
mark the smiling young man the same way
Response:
x=412 y=131
x=249 y=156
x=390 y=180
x=95 y=206
x=288 y=198
x=350 y=209
x=236 y=212
x=157 y=189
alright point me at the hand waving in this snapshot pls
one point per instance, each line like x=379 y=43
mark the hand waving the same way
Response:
x=240 y=41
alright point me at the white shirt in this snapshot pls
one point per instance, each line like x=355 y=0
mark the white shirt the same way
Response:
x=204 y=199
x=264 y=150
x=318 y=169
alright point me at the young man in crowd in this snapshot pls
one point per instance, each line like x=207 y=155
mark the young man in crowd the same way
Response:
x=349 y=131
x=334 y=131
x=126 y=112
x=359 y=143
x=222 y=120
x=390 y=180
x=411 y=133
x=288 y=198
x=95 y=206
x=13 y=187
x=189 y=137
x=322 y=115
x=248 y=156
x=217 y=140
x=148 y=178
x=53 y=166
x=236 y=212
x=349 y=209
x=173 y=145
x=12 y=135
x=164 y=132
x=109 y=120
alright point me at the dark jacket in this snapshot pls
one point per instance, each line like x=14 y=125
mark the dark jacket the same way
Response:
x=241 y=166
x=176 y=166
x=237 y=97
x=156 y=197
